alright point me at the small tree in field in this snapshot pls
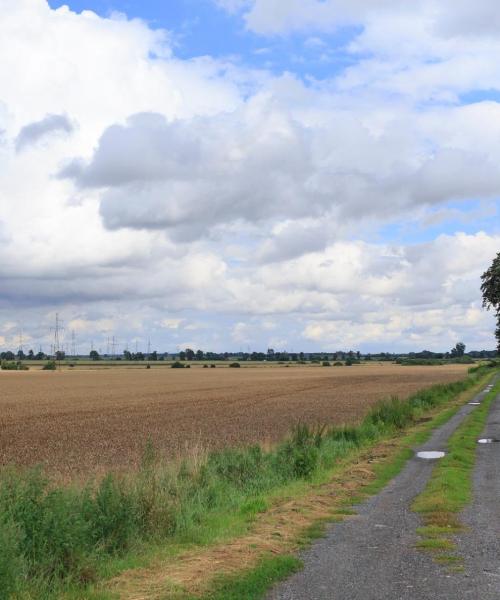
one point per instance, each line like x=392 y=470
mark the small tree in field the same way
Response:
x=491 y=293
x=458 y=350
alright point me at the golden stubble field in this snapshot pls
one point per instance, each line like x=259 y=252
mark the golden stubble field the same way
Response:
x=77 y=423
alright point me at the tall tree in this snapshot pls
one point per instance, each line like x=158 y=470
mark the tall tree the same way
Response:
x=491 y=292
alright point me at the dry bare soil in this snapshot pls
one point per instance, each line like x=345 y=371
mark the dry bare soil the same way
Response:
x=84 y=422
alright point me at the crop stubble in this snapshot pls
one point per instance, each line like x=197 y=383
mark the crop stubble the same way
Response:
x=84 y=422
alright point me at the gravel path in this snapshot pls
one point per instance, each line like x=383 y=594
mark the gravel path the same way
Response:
x=373 y=557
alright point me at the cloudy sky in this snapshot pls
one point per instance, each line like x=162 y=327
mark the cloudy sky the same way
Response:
x=245 y=174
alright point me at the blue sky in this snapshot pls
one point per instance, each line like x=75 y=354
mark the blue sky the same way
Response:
x=200 y=28
x=315 y=175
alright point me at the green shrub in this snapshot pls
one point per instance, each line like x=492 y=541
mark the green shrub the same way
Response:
x=50 y=366
x=13 y=366
x=338 y=364
x=235 y=365
x=463 y=360
x=325 y=363
x=177 y=365
x=298 y=456
x=212 y=366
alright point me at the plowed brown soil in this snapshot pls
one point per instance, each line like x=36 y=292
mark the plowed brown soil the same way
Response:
x=81 y=422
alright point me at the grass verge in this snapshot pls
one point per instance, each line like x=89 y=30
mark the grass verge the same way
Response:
x=62 y=540
x=449 y=489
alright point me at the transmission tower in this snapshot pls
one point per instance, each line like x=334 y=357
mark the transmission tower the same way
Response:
x=21 y=338
x=58 y=329
x=73 y=343
x=113 y=346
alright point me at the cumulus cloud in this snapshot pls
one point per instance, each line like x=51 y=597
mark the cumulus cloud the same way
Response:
x=49 y=125
x=451 y=17
x=266 y=161
x=252 y=207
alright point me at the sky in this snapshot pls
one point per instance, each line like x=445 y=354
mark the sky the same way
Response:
x=301 y=175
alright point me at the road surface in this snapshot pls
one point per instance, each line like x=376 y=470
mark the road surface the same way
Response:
x=373 y=555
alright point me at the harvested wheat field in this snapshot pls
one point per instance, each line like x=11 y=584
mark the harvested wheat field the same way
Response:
x=77 y=423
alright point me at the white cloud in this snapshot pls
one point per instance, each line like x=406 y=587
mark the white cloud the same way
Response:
x=172 y=194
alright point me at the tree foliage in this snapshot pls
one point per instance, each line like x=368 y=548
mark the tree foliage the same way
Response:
x=490 y=289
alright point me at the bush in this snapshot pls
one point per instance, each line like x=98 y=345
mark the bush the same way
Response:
x=325 y=363
x=235 y=365
x=205 y=366
x=13 y=366
x=50 y=366
x=338 y=364
x=463 y=360
x=177 y=365
x=212 y=366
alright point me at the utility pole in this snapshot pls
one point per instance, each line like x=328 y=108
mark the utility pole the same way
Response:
x=113 y=346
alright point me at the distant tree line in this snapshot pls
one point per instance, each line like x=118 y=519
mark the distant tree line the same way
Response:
x=190 y=355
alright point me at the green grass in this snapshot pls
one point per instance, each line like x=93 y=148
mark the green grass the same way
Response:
x=62 y=540
x=254 y=584
x=449 y=489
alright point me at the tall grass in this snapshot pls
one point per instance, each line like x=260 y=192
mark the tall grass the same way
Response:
x=50 y=534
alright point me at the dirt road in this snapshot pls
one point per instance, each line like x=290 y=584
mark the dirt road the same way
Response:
x=373 y=556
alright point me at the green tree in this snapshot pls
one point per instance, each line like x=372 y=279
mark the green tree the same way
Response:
x=94 y=355
x=458 y=350
x=490 y=289
x=190 y=354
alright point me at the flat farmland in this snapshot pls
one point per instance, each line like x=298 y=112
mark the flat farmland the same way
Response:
x=78 y=423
